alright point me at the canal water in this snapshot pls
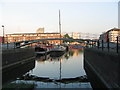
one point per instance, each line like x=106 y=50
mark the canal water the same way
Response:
x=71 y=66
x=62 y=72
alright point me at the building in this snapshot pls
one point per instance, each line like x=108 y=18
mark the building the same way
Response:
x=76 y=35
x=103 y=37
x=1 y=39
x=40 y=30
x=111 y=35
x=32 y=36
x=92 y=36
x=73 y=35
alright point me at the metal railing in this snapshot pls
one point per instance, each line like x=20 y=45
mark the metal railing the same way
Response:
x=8 y=45
x=13 y=45
x=109 y=46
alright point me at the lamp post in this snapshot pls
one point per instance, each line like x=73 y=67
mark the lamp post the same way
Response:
x=3 y=34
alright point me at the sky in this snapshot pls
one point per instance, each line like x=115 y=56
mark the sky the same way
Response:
x=86 y=16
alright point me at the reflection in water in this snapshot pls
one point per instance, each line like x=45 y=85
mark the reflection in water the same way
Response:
x=70 y=65
x=73 y=53
x=61 y=72
x=58 y=72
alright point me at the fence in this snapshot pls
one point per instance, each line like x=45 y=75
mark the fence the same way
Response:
x=10 y=45
x=109 y=45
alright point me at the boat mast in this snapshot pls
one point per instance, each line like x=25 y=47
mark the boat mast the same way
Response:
x=60 y=26
x=60 y=44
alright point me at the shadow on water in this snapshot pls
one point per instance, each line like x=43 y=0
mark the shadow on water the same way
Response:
x=10 y=74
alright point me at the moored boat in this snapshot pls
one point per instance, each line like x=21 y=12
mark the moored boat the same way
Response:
x=76 y=46
x=41 y=51
x=57 y=51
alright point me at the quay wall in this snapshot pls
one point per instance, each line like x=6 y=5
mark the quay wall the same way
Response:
x=102 y=68
x=16 y=71
x=13 y=57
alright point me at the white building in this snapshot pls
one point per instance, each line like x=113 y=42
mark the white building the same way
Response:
x=89 y=36
x=111 y=35
x=83 y=35
x=76 y=35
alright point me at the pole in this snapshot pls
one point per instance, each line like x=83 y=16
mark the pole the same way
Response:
x=60 y=26
x=98 y=44
x=60 y=70
x=7 y=45
x=102 y=45
x=92 y=44
x=108 y=44
x=15 y=44
x=3 y=34
x=117 y=44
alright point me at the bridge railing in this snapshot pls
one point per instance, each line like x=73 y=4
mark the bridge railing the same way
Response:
x=21 y=44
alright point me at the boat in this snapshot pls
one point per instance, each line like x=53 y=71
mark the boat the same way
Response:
x=76 y=46
x=57 y=51
x=42 y=51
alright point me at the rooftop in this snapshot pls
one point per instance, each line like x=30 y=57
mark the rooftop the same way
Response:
x=30 y=33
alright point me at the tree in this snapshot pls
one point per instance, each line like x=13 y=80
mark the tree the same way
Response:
x=68 y=37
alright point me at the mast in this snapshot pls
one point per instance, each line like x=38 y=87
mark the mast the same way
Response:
x=60 y=26
x=60 y=44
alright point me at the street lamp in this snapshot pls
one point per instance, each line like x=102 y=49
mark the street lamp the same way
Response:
x=3 y=34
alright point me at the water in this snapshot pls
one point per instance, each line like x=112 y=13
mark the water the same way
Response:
x=69 y=66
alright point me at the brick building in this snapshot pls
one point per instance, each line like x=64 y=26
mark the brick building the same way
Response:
x=1 y=39
x=32 y=36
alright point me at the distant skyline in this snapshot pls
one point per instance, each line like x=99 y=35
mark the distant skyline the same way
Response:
x=85 y=17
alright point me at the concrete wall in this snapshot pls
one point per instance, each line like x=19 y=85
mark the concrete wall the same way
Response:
x=102 y=68
x=17 y=71
x=13 y=56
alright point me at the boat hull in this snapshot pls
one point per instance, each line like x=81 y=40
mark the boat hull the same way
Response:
x=56 y=53
x=42 y=53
